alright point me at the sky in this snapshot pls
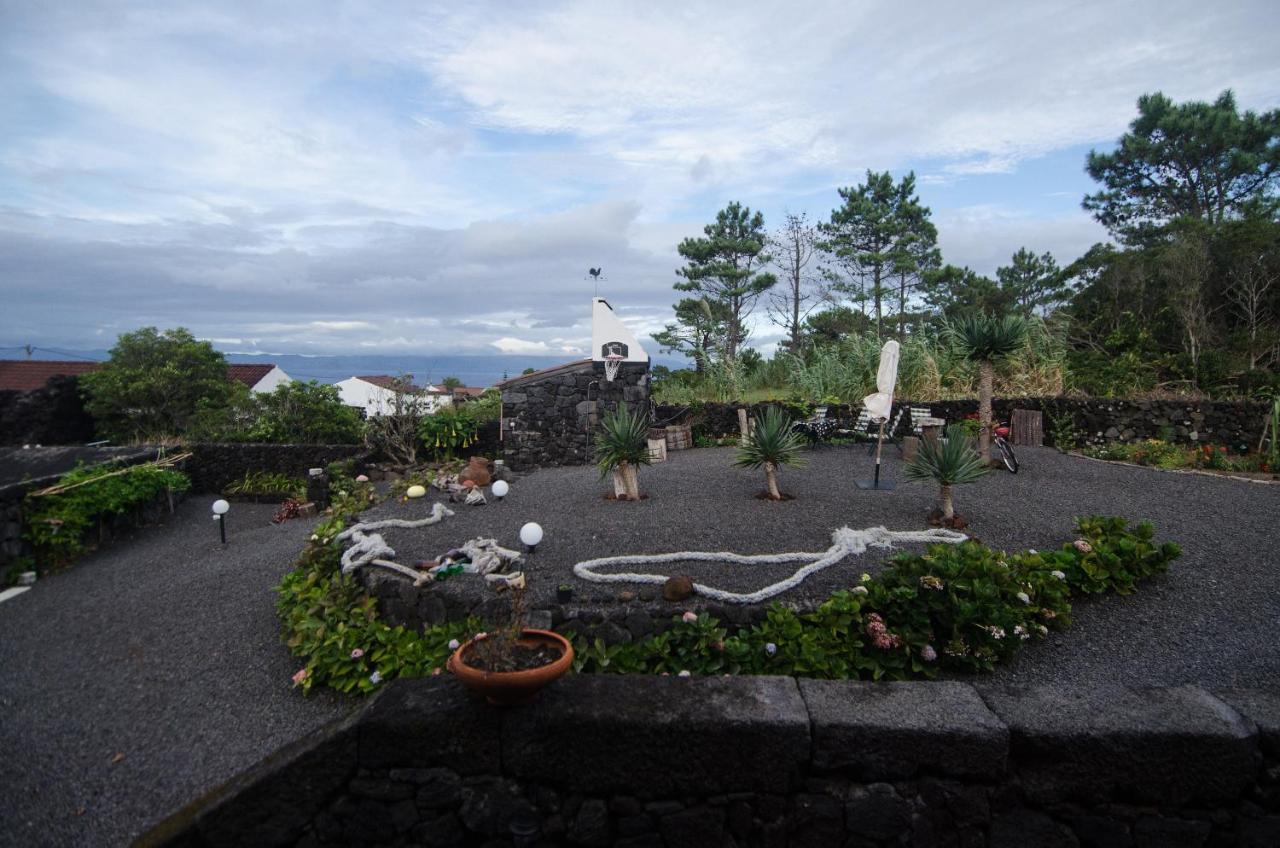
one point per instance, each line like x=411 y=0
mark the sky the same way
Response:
x=423 y=178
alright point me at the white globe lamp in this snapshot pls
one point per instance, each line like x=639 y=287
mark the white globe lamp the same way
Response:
x=531 y=535
x=220 y=509
x=500 y=489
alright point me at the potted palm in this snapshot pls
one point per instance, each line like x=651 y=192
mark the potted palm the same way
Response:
x=510 y=663
x=985 y=340
x=948 y=462
x=772 y=441
x=622 y=446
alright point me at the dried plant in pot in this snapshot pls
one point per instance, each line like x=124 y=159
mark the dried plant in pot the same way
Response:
x=510 y=663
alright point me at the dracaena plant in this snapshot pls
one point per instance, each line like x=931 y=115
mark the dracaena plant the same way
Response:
x=772 y=442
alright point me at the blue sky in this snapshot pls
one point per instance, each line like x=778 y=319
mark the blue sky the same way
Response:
x=349 y=177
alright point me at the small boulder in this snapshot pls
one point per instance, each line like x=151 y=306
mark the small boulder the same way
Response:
x=677 y=588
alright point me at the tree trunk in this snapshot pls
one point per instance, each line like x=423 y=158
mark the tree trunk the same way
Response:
x=630 y=481
x=771 y=479
x=944 y=497
x=986 y=381
x=902 y=308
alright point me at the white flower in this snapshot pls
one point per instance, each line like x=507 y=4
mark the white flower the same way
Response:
x=375 y=678
x=865 y=577
x=1033 y=551
x=770 y=649
x=1021 y=632
x=453 y=644
x=689 y=617
x=684 y=672
x=1024 y=597
x=1058 y=574
x=314 y=537
x=859 y=590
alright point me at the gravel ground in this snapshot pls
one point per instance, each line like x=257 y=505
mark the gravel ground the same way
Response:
x=1211 y=620
x=163 y=648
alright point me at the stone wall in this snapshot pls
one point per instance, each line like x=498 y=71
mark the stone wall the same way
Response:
x=213 y=466
x=52 y=415
x=1094 y=421
x=548 y=416
x=24 y=470
x=651 y=761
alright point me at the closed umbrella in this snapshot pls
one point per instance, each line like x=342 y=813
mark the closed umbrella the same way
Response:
x=880 y=404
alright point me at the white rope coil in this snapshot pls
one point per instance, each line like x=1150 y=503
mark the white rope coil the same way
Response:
x=844 y=542
x=371 y=549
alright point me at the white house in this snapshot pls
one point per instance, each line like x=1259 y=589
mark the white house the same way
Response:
x=261 y=378
x=376 y=394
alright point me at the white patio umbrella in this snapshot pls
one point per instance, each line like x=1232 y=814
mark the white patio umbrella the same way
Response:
x=880 y=404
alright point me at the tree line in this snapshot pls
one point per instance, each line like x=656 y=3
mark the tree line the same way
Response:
x=1184 y=294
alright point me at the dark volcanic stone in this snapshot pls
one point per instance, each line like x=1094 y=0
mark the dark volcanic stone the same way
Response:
x=462 y=733
x=1024 y=828
x=878 y=731
x=1166 y=746
x=816 y=821
x=591 y=825
x=696 y=827
x=877 y=812
x=1161 y=832
x=660 y=736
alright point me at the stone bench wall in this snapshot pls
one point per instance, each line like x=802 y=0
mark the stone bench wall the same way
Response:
x=664 y=761
x=1095 y=421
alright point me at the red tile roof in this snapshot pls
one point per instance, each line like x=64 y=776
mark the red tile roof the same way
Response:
x=467 y=391
x=250 y=375
x=24 y=375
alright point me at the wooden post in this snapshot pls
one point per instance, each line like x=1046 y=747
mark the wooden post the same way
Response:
x=910 y=445
x=742 y=425
x=1028 y=427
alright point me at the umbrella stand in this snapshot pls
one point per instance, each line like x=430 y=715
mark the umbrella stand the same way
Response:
x=876 y=484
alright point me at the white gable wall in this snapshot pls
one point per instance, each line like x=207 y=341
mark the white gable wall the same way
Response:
x=375 y=400
x=270 y=380
x=607 y=327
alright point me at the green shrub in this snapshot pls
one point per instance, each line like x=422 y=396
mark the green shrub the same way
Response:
x=1108 y=557
x=267 y=483
x=58 y=525
x=452 y=429
x=773 y=441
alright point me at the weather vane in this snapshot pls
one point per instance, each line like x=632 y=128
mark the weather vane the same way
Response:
x=594 y=273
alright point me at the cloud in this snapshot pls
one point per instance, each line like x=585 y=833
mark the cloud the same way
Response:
x=510 y=345
x=441 y=179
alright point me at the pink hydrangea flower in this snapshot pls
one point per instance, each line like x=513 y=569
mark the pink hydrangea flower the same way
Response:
x=928 y=654
x=300 y=676
x=879 y=633
x=1082 y=546
x=357 y=653
x=689 y=617
x=453 y=644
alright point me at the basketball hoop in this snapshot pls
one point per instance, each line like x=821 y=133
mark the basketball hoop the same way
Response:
x=612 y=363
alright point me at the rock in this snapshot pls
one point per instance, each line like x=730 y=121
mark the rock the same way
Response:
x=626 y=596
x=1021 y=828
x=877 y=812
x=696 y=827
x=817 y=821
x=591 y=825
x=416 y=491
x=677 y=588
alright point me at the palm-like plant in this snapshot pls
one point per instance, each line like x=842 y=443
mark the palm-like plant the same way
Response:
x=772 y=441
x=622 y=445
x=948 y=462
x=985 y=339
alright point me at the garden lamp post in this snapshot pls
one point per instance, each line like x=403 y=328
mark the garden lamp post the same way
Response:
x=531 y=535
x=220 y=508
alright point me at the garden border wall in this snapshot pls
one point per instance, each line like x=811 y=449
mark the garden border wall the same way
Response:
x=1237 y=424
x=214 y=465
x=652 y=761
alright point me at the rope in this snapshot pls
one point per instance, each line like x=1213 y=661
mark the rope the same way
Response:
x=844 y=542
x=371 y=549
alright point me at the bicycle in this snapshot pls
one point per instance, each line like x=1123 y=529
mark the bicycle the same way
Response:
x=1001 y=450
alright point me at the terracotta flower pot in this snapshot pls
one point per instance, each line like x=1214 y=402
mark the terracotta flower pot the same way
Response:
x=507 y=688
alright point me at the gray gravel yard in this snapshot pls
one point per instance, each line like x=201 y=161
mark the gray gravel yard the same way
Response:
x=164 y=648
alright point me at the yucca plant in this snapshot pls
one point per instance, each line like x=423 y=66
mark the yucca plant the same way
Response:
x=622 y=445
x=985 y=339
x=772 y=441
x=948 y=462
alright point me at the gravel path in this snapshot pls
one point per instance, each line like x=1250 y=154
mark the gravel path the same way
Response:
x=1211 y=620
x=163 y=648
